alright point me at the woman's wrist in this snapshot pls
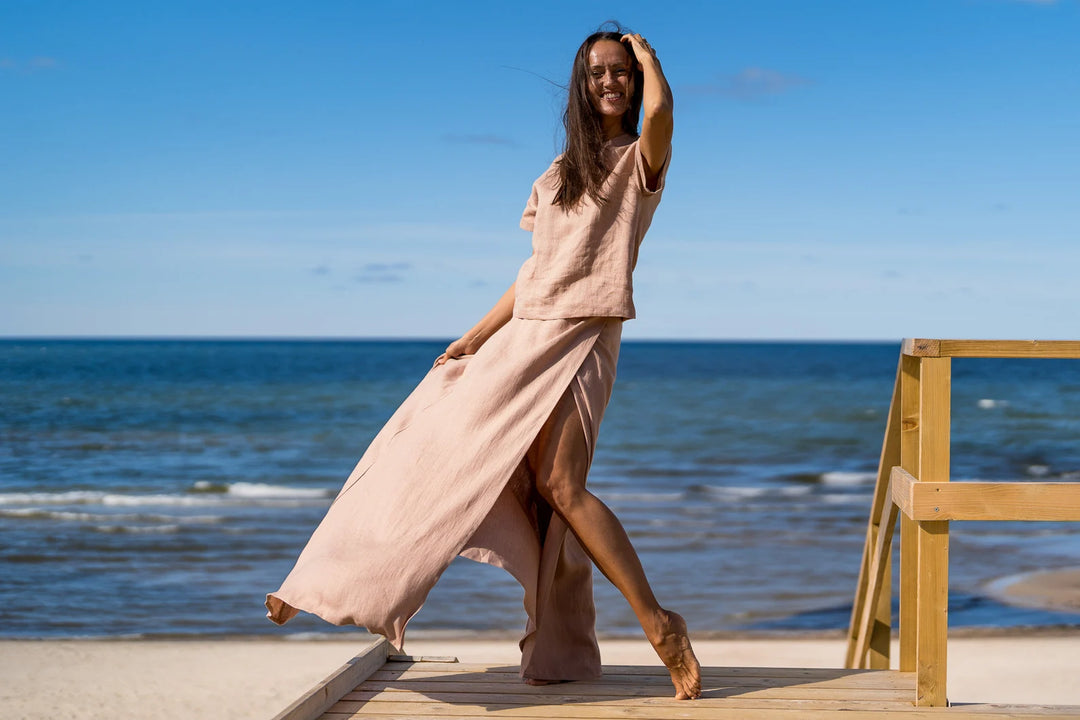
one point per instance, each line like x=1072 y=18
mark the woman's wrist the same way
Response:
x=650 y=62
x=476 y=337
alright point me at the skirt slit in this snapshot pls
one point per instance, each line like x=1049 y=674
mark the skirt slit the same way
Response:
x=447 y=475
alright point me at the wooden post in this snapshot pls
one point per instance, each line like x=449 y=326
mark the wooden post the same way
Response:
x=910 y=370
x=933 y=536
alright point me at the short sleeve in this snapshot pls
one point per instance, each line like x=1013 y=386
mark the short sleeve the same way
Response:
x=528 y=218
x=639 y=163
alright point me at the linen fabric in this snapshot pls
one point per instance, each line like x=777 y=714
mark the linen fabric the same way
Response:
x=583 y=258
x=449 y=474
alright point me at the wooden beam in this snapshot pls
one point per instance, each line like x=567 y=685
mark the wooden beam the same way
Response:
x=335 y=686
x=879 y=640
x=900 y=482
x=932 y=604
x=880 y=649
x=928 y=501
x=921 y=347
x=851 y=658
x=877 y=577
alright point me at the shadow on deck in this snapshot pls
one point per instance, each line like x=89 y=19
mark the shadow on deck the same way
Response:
x=375 y=685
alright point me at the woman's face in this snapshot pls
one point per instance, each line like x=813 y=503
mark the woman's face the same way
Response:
x=610 y=77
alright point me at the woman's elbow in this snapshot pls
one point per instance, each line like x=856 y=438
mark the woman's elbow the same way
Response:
x=658 y=110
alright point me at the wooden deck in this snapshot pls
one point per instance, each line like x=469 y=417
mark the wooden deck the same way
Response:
x=374 y=685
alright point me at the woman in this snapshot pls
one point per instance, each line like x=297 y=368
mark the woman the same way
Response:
x=488 y=457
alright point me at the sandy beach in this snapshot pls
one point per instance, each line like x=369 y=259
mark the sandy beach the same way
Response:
x=1051 y=589
x=255 y=678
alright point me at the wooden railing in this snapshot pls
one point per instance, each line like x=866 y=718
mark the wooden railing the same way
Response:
x=913 y=484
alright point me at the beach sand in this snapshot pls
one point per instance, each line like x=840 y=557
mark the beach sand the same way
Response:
x=1047 y=589
x=256 y=678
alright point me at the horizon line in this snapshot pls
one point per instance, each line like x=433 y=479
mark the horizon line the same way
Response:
x=409 y=338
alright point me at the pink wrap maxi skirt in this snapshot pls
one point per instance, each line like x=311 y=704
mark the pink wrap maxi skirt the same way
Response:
x=448 y=475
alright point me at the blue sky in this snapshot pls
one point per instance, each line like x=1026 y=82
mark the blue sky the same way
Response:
x=840 y=170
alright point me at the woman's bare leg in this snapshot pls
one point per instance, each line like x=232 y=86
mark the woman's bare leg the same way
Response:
x=560 y=458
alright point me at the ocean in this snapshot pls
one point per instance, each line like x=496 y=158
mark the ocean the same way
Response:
x=161 y=488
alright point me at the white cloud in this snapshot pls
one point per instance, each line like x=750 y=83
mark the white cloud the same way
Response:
x=34 y=64
x=479 y=139
x=752 y=83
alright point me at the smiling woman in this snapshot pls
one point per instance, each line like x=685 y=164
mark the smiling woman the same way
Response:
x=489 y=455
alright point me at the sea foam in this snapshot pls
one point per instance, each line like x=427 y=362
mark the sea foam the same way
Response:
x=240 y=493
x=842 y=477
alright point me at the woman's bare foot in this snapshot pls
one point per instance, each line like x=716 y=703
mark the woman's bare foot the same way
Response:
x=537 y=683
x=672 y=644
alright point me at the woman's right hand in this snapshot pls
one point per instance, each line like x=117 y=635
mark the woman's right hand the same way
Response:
x=471 y=341
x=459 y=347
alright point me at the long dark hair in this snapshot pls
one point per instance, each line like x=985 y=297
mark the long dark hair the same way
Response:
x=581 y=168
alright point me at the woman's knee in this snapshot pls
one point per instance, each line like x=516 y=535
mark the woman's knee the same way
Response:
x=561 y=490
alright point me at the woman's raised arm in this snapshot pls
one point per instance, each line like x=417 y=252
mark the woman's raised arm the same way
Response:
x=656 y=104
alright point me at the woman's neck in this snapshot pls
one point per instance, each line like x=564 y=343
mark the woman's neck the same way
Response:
x=612 y=127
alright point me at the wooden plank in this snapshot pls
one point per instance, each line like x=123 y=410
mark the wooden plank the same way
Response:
x=932 y=603
x=457 y=667
x=713 y=697
x=880 y=635
x=911 y=369
x=880 y=648
x=880 y=645
x=694 y=710
x=919 y=347
x=1033 y=501
x=321 y=697
x=361 y=703
x=756 y=676
x=642 y=670
x=586 y=692
x=421 y=658
x=997 y=711
x=879 y=565
x=853 y=658
x=736 y=714
x=630 y=689
x=1067 y=349
x=354 y=702
x=661 y=709
x=969 y=712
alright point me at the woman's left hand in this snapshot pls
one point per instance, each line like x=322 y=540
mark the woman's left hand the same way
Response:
x=640 y=47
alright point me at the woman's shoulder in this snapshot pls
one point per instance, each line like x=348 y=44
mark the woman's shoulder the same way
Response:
x=552 y=172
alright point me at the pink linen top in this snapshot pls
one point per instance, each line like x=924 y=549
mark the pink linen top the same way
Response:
x=583 y=258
